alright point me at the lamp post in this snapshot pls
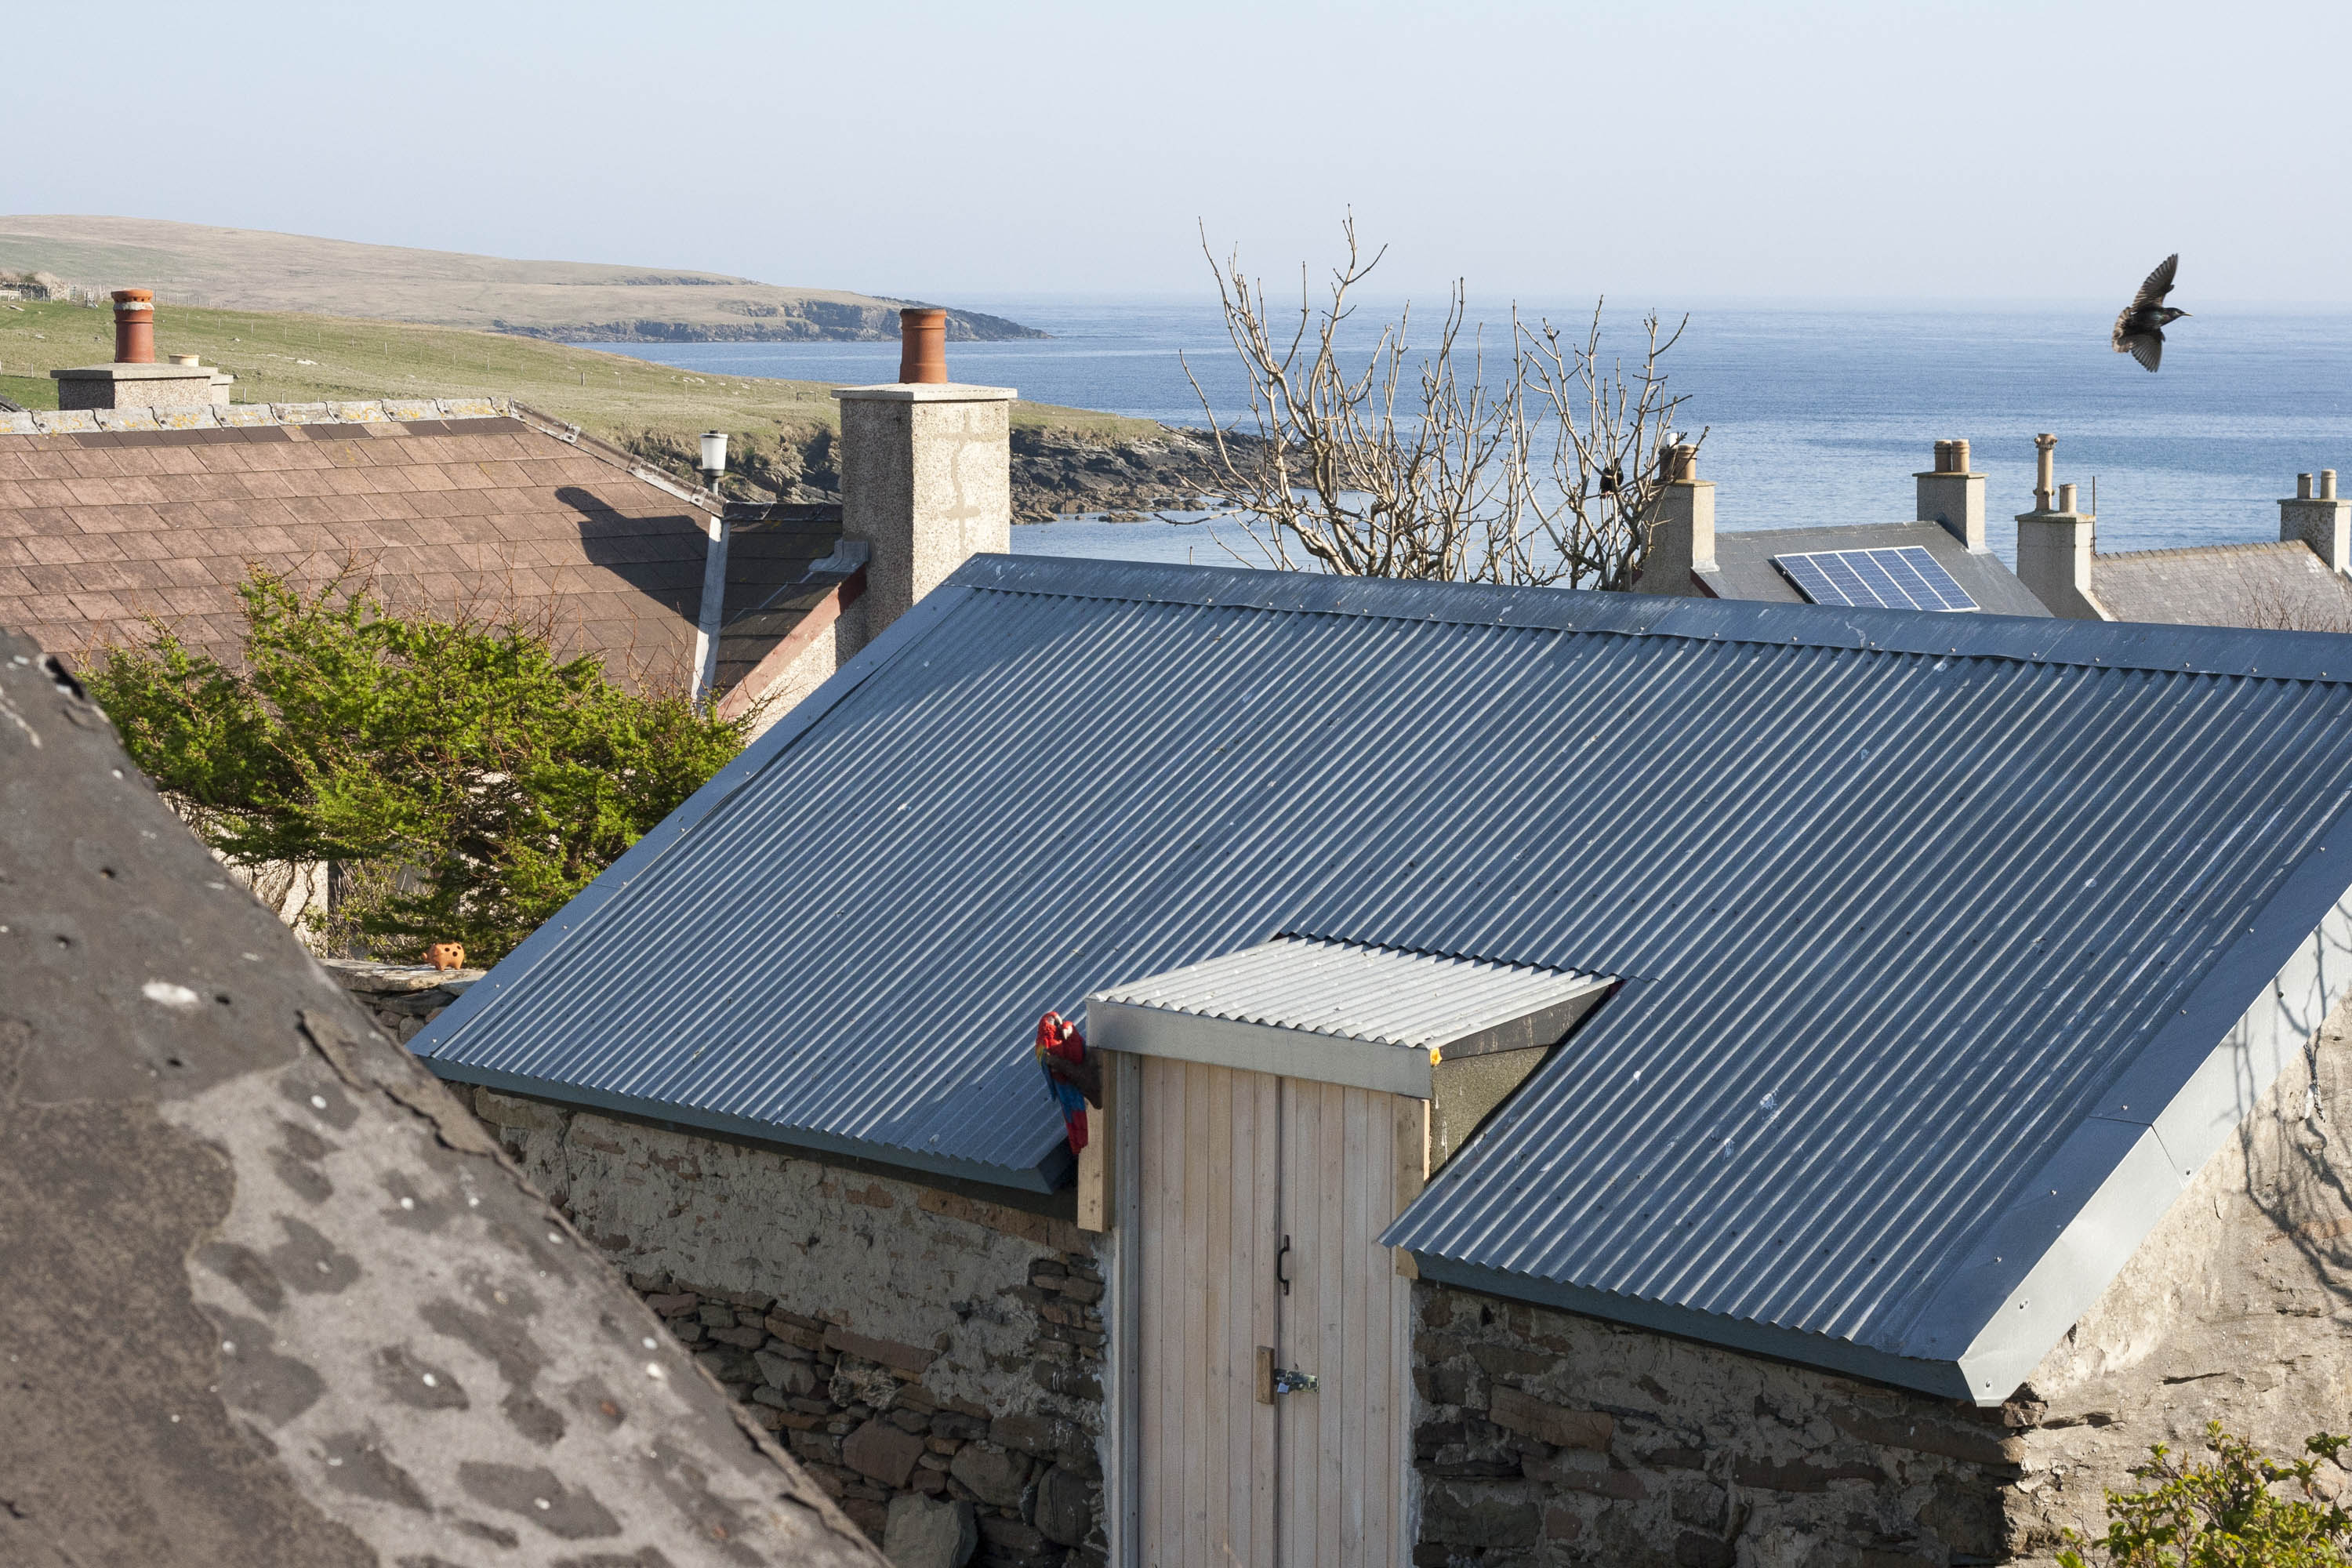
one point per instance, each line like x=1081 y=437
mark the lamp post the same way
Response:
x=714 y=459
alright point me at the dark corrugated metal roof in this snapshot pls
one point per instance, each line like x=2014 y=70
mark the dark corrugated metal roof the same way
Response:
x=1898 y=895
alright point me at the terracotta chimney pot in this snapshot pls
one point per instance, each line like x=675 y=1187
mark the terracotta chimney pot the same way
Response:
x=134 y=326
x=923 y=346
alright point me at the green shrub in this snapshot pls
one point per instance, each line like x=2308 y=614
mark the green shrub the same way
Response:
x=2244 y=1510
x=466 y=782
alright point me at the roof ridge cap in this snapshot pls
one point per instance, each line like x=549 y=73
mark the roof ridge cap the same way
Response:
x=2100 y=644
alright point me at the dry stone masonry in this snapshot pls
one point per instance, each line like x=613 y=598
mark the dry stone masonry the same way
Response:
x=400 y=998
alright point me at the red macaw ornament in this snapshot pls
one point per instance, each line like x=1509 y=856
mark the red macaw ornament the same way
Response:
x=1062 y=1056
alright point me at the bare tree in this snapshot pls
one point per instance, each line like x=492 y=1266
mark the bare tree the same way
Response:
x=1406 y=467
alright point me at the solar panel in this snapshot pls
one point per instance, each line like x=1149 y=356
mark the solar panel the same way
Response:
x=1905 y=577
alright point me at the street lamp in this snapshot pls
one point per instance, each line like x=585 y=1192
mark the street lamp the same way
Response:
x=714 y=458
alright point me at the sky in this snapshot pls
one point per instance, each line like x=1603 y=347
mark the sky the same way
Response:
x=1954 y=152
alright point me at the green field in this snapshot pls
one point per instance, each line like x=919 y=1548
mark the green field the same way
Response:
x=652 y=409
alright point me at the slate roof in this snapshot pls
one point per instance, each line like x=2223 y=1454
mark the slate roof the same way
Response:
x=271 y=1297
x=773 y=579
x=1744 y=568
x=2278 y=585
x=100 y=529
x=1931 y=926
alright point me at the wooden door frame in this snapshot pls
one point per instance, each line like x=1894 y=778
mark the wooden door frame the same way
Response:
x=1121 y=1448
x=1122 y=1458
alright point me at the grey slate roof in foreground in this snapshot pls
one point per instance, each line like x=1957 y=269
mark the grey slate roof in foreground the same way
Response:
x=270 y=1295
x=1931 y=926
x=1744 y=568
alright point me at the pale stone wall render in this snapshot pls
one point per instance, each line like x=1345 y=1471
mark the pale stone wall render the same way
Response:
x=926 y=481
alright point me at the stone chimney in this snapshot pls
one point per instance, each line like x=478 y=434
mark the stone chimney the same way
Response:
x=1681 y=529
x=2056 y=544
x=2320 y=521
x=134 y=380
x=926 y=472
x=1949 y=494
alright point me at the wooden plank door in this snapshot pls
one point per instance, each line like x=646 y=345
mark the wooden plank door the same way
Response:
x=1232 y=1164
x=1209 y=1146
x=1342 y=1448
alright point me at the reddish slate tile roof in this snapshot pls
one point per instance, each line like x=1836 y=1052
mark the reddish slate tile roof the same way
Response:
x=101 y=530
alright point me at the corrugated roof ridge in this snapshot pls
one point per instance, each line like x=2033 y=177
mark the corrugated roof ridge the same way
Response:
x=1449 y=954
x=2102 y=645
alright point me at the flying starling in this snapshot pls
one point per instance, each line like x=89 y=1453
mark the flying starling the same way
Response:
x=2139 y=331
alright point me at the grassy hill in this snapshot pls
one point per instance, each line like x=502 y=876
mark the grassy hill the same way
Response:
x=782 y=429
x=254 y=269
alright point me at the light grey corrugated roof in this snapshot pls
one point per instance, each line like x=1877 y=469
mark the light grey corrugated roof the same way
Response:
x=1414 y=1001
x=1915 y=911
x=1340 y=1012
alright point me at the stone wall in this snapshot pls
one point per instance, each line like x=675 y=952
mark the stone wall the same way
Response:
x=1544 y=1438
x=933 y=1358
x=400 y=998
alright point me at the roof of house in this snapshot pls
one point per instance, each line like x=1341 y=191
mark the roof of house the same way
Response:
x=1925 y=923
x=2280 y=585
x=273 y=1298
x=448 y=507
x=782 y=559
x=1744 y=568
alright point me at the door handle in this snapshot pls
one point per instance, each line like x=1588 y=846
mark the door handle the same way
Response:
x=1281 y=1273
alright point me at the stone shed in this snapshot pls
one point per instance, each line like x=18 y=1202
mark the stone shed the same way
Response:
x=1590 y=1078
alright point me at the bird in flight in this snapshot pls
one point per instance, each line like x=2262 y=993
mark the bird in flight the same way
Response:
x=2139 y=331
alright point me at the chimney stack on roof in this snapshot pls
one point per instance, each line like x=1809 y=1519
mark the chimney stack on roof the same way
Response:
x=926 y=472
x=923 y=348
x=2321 y=521
x=1950 y=495
x=1682 y=525
x=134 y=326
x=134 y=379
x=2056 y=543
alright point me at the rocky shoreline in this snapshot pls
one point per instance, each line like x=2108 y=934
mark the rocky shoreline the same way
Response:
x=1060 y=473
x=1055 y=473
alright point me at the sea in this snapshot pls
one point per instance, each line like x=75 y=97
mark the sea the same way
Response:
x=1812 y=414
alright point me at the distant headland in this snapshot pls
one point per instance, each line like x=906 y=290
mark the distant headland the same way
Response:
x=254 y=269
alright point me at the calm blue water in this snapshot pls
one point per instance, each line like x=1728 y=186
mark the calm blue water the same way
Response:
x=1815 y=416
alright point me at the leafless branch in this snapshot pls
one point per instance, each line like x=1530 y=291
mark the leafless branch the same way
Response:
x=1418 y=467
